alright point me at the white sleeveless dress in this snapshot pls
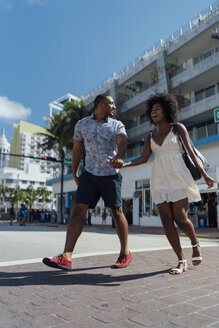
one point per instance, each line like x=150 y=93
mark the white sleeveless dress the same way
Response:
x=170 y=179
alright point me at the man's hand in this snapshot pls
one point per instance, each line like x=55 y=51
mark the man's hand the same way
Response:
x=76 y=178
x=116 y=163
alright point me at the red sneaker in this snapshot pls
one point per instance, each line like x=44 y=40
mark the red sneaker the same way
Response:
x=59 y=262
x=123 y=261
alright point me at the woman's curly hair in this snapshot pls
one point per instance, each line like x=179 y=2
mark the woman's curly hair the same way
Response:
x=167 y=101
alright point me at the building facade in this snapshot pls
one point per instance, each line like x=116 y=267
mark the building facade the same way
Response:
x=26 y=141
x=187 y=65
x=5 y=147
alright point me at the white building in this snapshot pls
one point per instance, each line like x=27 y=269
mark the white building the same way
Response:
x=26 y=141
x=187 y=65
x=5 y=147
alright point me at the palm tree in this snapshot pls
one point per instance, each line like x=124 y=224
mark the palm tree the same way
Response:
x=16 y=195
x=3 y=192
x=43 y=195
x=29 y=196
x=73 y=112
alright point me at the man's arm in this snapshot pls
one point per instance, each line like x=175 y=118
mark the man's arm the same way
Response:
x=121 y=141
x=76 y=158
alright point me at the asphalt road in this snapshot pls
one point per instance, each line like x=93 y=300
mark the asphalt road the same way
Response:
x=32 y=243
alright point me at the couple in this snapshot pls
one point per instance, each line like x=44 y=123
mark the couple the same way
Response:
x=172 y=185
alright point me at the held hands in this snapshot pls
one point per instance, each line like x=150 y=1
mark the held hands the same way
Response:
x=116 y=163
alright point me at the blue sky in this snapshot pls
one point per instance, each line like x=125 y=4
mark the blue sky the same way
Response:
x=53 y=47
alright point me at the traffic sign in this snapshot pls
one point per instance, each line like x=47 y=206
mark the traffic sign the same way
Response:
x=68 y=161
x=216 y=115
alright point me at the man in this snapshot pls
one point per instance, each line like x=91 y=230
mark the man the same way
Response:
x=104 y=139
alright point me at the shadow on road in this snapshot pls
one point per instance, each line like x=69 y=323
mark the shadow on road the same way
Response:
x=56 y=278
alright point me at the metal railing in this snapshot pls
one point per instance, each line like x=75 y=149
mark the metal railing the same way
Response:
x=201 y=18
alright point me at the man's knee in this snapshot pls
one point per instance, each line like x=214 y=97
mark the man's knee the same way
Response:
x=80 y=210
x=117 y=213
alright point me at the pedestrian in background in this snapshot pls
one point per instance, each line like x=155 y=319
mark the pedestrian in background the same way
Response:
x=104 y=139
x=172 y=185
x=24 y=215
x=104 y=216
x=12 y=214
x=20 y=214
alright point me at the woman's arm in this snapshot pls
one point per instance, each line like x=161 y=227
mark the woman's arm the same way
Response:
x=187 y=143
x=144 y=157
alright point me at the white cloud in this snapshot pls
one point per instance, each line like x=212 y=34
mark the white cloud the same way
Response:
x=12 y=111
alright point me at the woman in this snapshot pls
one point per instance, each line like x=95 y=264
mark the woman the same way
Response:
x=172 y=185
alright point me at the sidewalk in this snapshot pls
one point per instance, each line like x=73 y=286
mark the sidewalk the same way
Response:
x=201 y=232
x=93 y=295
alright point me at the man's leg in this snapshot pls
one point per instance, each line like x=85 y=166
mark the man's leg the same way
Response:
x=121 y=224
x=74 y=229
x=121 y=228
x=63 y=261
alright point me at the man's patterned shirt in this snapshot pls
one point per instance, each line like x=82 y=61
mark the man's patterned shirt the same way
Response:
x=100 y=143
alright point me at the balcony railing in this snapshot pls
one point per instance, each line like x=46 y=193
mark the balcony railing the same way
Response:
x=195 y=70
x=174 y=38
x=199 y=107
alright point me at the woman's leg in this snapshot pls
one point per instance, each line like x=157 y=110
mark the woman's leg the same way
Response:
x=180 y=214
x=166 y=215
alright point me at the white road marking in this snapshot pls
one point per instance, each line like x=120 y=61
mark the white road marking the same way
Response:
x=80 y=255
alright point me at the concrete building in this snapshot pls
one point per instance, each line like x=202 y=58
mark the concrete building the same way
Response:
x=26 y=142
x=5 y=147
x=187 y=65
x=57 y=105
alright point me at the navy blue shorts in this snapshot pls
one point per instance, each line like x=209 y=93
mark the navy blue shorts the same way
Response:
x=92 y=187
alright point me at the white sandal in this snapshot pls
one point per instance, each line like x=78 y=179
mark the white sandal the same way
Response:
x=196 y=258
x=178 y=271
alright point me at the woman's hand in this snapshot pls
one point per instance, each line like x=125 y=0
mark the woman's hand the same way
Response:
x=209 y=181
x=116 y=163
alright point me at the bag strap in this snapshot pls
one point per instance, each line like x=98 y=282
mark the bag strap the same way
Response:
x=176 y=131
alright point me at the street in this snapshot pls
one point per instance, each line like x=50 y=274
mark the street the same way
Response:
x=93 y=294
x=32 y=243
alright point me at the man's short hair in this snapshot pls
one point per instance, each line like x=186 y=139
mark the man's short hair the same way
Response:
x=98 y=99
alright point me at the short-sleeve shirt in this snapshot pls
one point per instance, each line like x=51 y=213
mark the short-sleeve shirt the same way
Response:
x=100 y=143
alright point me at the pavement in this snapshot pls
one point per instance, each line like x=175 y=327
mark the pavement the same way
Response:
x=94 y=295
x=212 y=233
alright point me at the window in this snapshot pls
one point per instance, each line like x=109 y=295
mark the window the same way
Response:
x=24 y=181
x=9 y=180
x=200 y=95
x=206 y=130
x=142 y=119
x=210 y=91
x=201 y=132
x=146 y=206
x=212 y=129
